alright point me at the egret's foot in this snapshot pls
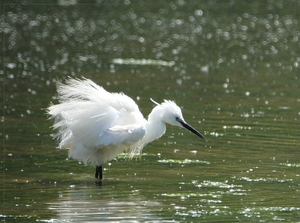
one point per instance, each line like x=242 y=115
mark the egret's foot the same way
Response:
x=98 y=173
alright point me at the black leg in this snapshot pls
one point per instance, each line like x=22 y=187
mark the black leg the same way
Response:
x=98 y=173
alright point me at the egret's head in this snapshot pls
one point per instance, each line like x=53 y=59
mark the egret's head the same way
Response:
x=171 y=114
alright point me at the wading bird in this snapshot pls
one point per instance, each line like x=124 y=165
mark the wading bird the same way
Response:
x=96 y=125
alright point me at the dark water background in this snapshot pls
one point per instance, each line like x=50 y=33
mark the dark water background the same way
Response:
x=233 y=67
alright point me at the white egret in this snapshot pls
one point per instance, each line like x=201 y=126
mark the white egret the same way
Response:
x=96 y=125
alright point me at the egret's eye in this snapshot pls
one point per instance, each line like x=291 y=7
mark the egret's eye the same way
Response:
x=177 y=119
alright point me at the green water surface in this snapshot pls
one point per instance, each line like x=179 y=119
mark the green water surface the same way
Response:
x=232 y=66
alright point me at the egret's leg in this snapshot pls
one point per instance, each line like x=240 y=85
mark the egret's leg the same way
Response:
x=98 y=173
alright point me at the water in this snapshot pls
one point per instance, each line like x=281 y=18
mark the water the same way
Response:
x=232 y=66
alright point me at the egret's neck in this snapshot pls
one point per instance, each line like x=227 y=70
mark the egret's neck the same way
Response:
x=155 y=126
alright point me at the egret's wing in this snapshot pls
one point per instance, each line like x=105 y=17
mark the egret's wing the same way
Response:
x=125 y=135
x=86 y=90
x=90 y=115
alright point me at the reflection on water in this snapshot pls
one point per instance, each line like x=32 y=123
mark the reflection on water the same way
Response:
x=90 y=205
x=232 y=66
x=143 y=62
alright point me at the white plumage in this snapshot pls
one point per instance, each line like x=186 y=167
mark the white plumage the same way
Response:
x=96 y=125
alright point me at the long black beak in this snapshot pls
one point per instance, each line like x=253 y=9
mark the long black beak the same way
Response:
x=188 y=127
